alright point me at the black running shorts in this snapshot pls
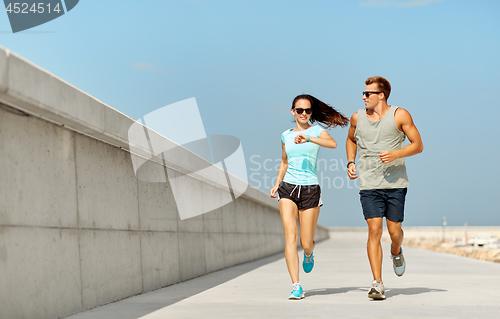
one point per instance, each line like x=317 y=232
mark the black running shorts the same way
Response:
x=304 y=196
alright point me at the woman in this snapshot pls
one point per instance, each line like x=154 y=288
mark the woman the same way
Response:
x=297 y=183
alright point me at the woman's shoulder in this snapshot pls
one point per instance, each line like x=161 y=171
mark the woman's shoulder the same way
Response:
x=318 y=129
x=284 y=134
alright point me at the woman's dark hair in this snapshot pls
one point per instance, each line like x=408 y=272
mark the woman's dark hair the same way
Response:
x=322 y=113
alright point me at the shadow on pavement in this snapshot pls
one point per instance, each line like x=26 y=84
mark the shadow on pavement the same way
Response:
x=410 y=291
x=388 y=293
x=331 y=291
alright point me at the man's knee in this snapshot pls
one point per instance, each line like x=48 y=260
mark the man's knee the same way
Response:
x=394 y=229
x=375 y=232
x=396 y=233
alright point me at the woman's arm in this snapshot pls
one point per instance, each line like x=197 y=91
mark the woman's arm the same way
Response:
x=281 y=171
x=324 y=139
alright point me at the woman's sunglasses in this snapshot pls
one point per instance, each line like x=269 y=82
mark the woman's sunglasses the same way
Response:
x=300 y=110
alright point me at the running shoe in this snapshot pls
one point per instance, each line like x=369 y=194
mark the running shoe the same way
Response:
x=377 y=290
x=398 y=262
x=297 y=292
x=308 y=263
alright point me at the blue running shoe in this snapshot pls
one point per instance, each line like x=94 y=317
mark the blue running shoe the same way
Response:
x=398 y=262
x=308 y=263
x=297 y=292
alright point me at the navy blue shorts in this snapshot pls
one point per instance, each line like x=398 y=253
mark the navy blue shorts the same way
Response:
x=304 y=196
x=388 y=203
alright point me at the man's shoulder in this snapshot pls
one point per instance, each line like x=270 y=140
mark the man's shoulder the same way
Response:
x=401 y=111
x=354 y=118
x=401 y=114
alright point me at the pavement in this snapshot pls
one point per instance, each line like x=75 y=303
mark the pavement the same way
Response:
x=437 y=285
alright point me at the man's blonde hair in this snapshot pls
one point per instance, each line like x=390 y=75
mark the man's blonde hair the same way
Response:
x=382 y=83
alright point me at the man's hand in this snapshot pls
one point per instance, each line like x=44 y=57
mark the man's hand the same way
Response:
x=351 y=171
x=387 y=156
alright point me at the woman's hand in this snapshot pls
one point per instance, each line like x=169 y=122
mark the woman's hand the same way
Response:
x=300 y=138
x=273 y=191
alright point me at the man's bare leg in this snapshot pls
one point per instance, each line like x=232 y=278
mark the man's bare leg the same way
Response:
x=374 y=248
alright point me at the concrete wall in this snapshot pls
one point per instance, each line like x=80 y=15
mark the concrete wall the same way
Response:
x=78 y=229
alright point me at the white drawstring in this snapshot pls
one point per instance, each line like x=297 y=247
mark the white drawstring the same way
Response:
x=294 y=190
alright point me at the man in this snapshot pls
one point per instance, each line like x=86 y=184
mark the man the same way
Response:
x=378 y=134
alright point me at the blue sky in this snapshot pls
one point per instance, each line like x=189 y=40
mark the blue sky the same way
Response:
x=245 y=61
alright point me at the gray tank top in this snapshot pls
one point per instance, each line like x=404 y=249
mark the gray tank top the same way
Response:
x=372 y=138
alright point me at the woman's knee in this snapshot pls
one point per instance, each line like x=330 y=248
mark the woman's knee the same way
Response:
x=307 y=244
x=291 y=239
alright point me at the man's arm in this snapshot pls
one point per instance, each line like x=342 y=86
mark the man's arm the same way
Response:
x=351 y=147
x=404 y=122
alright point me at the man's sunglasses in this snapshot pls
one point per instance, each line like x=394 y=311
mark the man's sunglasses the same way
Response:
x=367 y=93
x=300 y=110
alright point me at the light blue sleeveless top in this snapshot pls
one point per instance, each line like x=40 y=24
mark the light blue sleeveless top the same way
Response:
x=302 y=158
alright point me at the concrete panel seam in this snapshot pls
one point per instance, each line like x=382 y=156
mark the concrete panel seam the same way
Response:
x=142 y=261
x=78 y=222
x=177 y=222
x=138 y=206
x=178 y=249
x=140 y=237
